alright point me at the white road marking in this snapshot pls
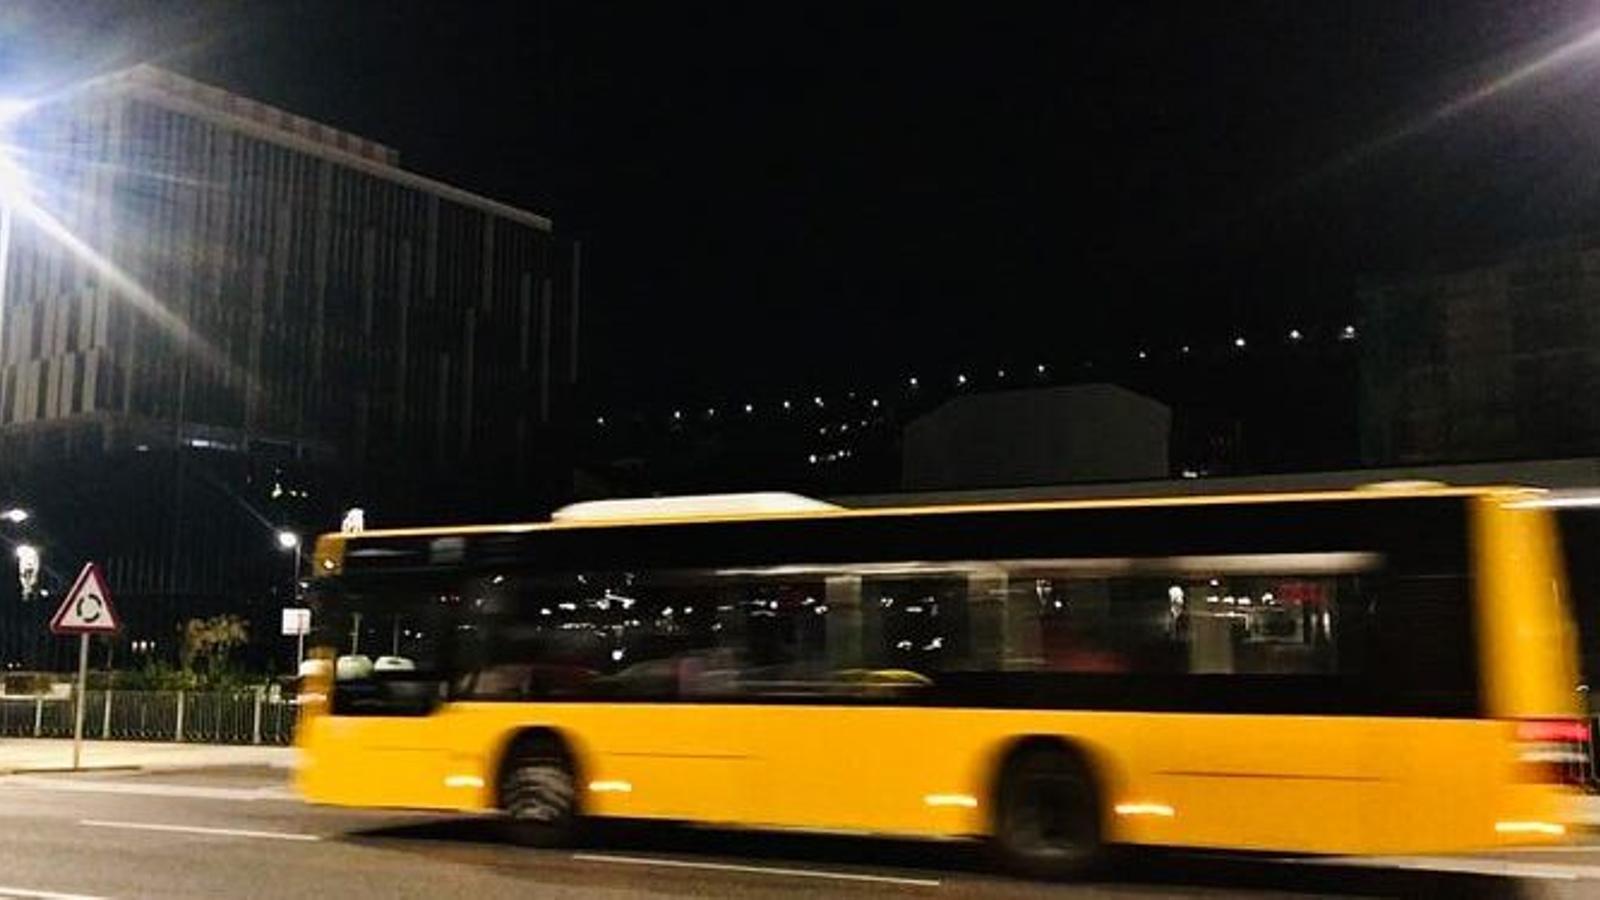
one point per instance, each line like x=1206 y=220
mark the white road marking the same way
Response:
x=195 y=829
x=193 y=792
x=1468 y=865
x=757 y=870
x=6 y=893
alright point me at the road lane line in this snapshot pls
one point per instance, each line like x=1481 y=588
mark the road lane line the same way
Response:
x=1553 y=848
x=195 y=829
x=1463 y=865
x=248 y=795
x=6 y=893
x=756 y=870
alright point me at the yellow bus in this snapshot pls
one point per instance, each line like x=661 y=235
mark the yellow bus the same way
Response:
x=1356 y=672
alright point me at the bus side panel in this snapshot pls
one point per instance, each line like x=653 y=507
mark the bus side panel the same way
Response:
x=1296 y=784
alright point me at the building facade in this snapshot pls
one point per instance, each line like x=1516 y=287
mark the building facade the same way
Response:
x=219 y=319
x=1495 y=362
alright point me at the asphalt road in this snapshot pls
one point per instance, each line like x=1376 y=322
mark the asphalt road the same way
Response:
x=239 y=833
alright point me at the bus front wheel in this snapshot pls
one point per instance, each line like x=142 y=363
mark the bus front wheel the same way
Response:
x=1047 y=814
x=538 y=793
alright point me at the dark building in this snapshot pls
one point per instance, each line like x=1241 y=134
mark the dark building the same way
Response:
x=272 y=320
x=1090 y=432
x=1496 y=362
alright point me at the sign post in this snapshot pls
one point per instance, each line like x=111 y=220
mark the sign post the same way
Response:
x=297 y=622
x=85 y=611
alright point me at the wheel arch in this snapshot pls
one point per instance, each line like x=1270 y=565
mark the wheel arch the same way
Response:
x=1094 y=760
x=532 y=735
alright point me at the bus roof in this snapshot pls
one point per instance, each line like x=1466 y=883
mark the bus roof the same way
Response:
x=684 y=511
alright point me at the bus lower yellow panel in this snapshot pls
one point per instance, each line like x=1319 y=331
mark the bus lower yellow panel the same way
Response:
x=1305 y=784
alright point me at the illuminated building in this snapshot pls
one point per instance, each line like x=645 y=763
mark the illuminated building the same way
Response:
x=359 y=333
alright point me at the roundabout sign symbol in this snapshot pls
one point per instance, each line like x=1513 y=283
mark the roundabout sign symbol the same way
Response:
x=87 y=607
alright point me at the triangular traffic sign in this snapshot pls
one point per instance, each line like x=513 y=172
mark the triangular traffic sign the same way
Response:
x=87 y=608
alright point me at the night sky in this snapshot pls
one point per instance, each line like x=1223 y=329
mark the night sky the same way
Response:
x=806 y=194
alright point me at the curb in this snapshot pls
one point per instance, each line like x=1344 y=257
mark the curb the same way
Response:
x=57 y=770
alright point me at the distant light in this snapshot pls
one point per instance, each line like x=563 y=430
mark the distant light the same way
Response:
x=787 y=405
x=677 y=415
x=288 y=540
x=961 y=379
x=1039 y=368
x=1190 y=473
x=1001 y=374
x=812 y=459
x=1184 y=350
x=874 y=402
x=711 y=412
x=1143 y=355
x=600 y=420
x=354 y=521
x=822 y=430
x=912 y=381
x=1294 y=334
x=1348 y=334
x=843 y=427
x=15 y=516
x=817 y=400
x=1238 y=342
x=749 y=407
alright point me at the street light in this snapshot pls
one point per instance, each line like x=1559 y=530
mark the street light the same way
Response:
x=27 y=569
x=15 y=516
x=289 y=540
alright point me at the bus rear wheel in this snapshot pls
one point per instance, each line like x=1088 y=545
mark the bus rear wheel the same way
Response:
x=538 y=793
x=1048 y=815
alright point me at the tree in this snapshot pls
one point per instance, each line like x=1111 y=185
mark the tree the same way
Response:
x=211 y=640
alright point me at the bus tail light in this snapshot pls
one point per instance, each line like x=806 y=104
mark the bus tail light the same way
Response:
x=1553 y=751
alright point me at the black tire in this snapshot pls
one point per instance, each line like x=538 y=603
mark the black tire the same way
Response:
x=538 y=792
x=1048 y=815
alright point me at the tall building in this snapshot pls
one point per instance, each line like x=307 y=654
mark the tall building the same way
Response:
x=219 y=318
x=1495 y=362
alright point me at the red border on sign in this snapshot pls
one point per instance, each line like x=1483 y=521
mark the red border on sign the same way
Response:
x=113 y=621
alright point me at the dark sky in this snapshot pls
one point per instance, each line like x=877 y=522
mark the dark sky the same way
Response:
x=775 y=194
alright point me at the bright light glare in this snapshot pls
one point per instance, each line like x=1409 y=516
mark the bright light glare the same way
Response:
x=20 y=196
x=288 y=540
x=15 y=516
x=13 y=108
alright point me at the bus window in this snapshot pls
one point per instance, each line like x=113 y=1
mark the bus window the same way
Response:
x=389 y=642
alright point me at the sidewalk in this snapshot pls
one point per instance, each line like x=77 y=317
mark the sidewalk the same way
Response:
x=40 y=755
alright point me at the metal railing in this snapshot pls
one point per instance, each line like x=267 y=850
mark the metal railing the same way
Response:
x=212 y=717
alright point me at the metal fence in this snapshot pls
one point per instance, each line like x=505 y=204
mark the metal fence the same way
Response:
x=211 y=717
